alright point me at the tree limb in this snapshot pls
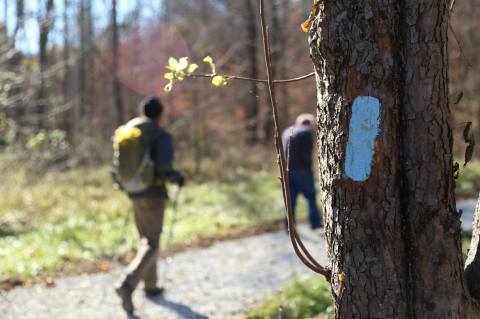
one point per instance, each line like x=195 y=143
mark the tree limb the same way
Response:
x=244 y=78
x=298 y=246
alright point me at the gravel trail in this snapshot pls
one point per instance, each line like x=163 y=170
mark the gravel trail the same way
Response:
x=218 y=282
x=221 y=281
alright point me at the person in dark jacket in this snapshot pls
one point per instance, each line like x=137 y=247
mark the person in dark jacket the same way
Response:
x=148 y=207
x=298 y=148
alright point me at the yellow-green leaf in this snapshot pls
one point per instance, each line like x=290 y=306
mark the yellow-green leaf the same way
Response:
x=208 y=59
x=219 y=80
x=180 y=75
x=182 y=64
x=172 y=64
x=192 y=68
x=168 y=87
x=169 y=76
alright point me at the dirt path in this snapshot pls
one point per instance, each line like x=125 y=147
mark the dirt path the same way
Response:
x=218 y=282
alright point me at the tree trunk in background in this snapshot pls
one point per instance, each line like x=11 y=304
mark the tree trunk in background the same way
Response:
x=86 y=63
x=5 y=15
x=89 y=62
x=282 y=47
x=20 y=12
x=251 y=108
x=67 y=114
x=276 y=54
x=82 y=78
x=385 y=149
x=45 y=23
x=279 y=10
x=117 y=93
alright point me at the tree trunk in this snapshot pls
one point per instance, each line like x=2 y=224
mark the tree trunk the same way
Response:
x=82 y=71
x=117 y=92
x=385 y=150
x=45 y=23
x=251 y=108
x=20 y=12
x=5 y=16
x=67 y=120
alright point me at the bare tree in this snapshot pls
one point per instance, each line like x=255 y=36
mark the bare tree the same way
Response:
x=20 y=12
x=117 y=93
x=45 y=22
x=5 y=16
x=251 y=108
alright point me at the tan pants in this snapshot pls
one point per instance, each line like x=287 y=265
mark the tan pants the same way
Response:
x=149 y=212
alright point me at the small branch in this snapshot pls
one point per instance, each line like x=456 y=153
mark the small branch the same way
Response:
x=243 y=78
x=460 y=47
x=298 y=246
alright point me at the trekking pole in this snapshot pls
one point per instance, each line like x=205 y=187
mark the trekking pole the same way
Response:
x=169 y=242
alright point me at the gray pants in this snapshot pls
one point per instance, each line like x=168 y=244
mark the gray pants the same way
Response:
x=149 y=212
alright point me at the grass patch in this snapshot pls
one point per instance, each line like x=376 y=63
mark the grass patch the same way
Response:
x=468 y=183
x=51 y=221
x=305 y=297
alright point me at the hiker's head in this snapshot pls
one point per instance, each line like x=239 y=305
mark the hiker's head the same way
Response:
x=152 y=108
x=306 y=120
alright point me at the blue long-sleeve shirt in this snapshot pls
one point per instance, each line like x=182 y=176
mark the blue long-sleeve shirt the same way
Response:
x=300 y=140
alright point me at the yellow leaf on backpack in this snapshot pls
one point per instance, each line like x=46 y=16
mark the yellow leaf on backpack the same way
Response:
x=124 y=133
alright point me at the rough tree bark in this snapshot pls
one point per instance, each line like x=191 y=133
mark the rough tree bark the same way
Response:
x=391 y=223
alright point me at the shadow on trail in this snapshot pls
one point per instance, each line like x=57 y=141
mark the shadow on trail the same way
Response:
x=182 y=310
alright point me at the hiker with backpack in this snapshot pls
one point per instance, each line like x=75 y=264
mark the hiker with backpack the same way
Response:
x=142 y=165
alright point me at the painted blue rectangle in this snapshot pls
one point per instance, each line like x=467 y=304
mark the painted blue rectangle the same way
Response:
x=364 y=129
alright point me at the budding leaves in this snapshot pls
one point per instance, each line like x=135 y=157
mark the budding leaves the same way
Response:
x=469 y=138
x=219 y=80
x=179 y=69
x=208 y=60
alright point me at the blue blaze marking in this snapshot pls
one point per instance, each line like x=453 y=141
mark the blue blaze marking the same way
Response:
x=364 y=128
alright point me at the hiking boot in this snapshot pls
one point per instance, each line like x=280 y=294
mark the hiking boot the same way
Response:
x=125 y=293
x=154 y=292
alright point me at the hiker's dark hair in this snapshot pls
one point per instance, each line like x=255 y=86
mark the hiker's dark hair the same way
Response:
x=151 y=107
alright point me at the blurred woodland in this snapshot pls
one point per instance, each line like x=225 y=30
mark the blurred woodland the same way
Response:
x=73 y=70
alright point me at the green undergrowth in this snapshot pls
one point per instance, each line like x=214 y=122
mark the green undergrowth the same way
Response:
x=302 y=298
x=52 y=220
x=468 y=183
x=307 y=297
